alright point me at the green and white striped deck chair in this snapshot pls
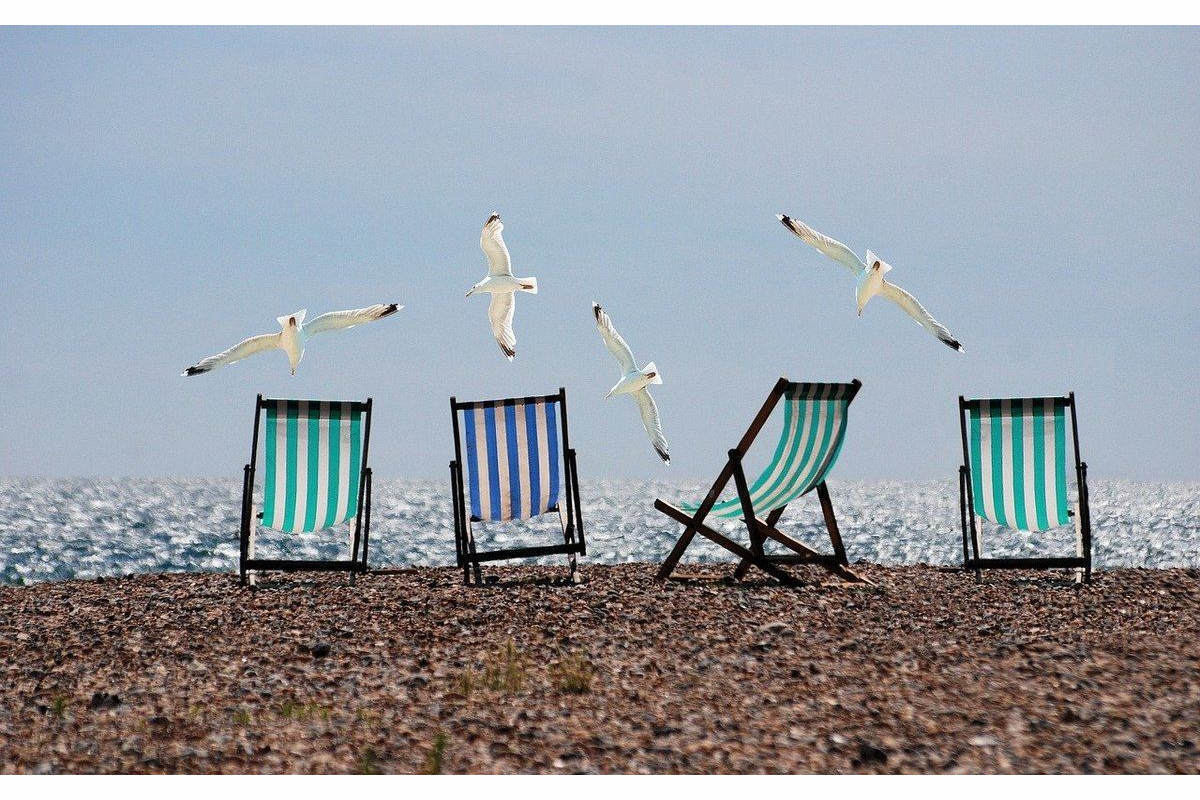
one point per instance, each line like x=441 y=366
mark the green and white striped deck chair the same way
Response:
x=813 y=429
x=314 y=477
x=1014 y=475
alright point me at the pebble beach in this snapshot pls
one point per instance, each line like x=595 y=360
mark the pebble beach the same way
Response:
x=928 y=671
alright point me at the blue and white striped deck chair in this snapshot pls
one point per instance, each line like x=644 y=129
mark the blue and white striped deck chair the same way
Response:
x=811 y=435
x=519 y=465
x=1014 y=475
x=314 y=478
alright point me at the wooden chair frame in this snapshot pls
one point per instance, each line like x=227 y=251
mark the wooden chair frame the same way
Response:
x=468 y=557
x=966 y=499
x=357 y=563
x=759 y=529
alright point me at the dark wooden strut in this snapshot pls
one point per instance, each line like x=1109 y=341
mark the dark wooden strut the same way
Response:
x=966 y=495
x=362 y=522
x=469 y=558
x=759 y=530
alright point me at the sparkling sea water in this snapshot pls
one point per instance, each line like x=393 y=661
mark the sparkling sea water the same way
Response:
x=84 y=528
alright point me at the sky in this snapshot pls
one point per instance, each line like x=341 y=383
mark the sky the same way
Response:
x=165 y=193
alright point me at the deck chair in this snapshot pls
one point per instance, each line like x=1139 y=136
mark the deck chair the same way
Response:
x=814 y=425
x=1014 y=474
x=512 y=450
x=315 y=477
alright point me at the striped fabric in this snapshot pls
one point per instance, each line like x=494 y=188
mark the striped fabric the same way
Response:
x=814 y=425
x=312 y=461
x=1018 y=461
x=512 y=458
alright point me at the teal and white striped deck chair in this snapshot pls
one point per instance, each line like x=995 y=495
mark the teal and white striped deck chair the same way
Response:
x=314 y=476
x=1014 y=475
x=811 y=435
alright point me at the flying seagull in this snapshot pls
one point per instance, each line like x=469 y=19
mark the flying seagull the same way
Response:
x=870 y=279
x=633 y=381
x=294 y=336
x=501 y=285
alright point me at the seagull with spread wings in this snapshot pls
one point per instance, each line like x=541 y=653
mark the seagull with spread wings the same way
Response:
x=870 y=279
x=501 y=285
x=633 y=381
x=294 y=336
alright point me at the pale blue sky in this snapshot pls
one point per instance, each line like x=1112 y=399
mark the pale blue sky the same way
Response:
x=164 y=193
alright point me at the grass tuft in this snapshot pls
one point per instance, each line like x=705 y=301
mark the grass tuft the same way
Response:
x=504 y=672
x=572 y=674
x=368 y=763
x=507 y=672
x=433 y=761
x=291 y=709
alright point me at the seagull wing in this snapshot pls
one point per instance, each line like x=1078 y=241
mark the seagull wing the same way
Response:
x=917 y=311
x=337 y=320
x=493 y=247
x=244 y=348
x=652 y=422
x=613 y=341
x=830 y=247
x=500 y=313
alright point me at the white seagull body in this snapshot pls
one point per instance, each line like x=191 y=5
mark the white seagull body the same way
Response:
x=870 y=280
x=633 y=381
x=294 y=336
x=501 y=285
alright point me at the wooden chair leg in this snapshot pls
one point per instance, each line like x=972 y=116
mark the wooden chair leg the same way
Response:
x=772 y=520
x=835 y=536
x=668 y=566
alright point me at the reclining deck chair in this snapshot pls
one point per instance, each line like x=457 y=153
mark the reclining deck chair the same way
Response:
x=512 y=454
x=1014 y=474
x=315 y=476
x=814 y=425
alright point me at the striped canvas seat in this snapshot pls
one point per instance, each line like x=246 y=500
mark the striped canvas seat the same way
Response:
x=814 y=426
x=512 y=458
x=1017 y=453
x=312 y=460
x=519 y=464
x=314 y=473
x=1014 y=474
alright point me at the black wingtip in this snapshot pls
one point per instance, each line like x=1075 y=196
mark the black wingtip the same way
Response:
x=194 y=371
x=392 y=308
x=664 y=455
x=508 y=351
x=955 y=344
x=597 y=310
x=787 y=222
x=493 y=218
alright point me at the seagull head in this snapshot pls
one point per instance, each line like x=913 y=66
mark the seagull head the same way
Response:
x=292 y=320
x=877 y=264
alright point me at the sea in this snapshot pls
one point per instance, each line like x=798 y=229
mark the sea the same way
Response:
x=63 y=529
